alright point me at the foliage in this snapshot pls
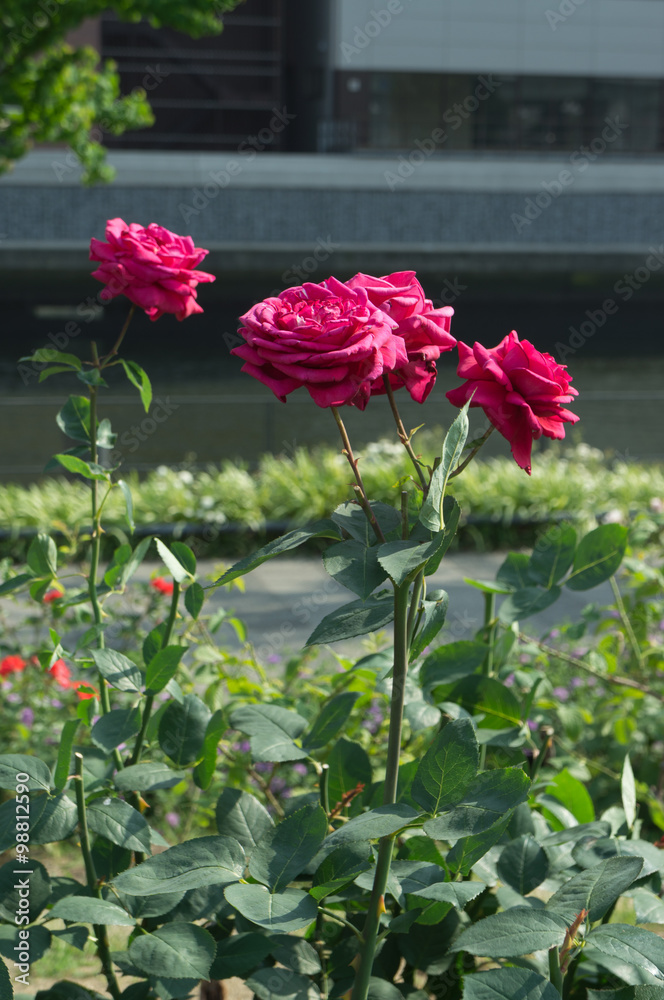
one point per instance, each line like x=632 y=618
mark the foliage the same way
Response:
x=50 y=92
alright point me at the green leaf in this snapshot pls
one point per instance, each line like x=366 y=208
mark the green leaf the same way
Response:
x=6 y=985
x=349 y=766
x=523 y=864
x=74 y=418
x=629 y=993
x=598 y=556
x=194 y=598
x=513 y=572
x=178 y=950
x=15 y=583
x=450 y=663
x=129 y=503
x=89 y=470
x=136 y=559
x=320 y=529
x=118 y=822
x=281 y=984
x=118 y=670
x=204 y=770
x=12 y=764
x=352 y=519
x=480 y=694
x=373 y=824
x=57 y=820
x=490 y=796
x=243 y=817
x=355 y=566
x=284 y=851
x=403 y=559
x=47 y=355
x=116 y=727
x=295 y=954
x=287 y=911
x=182 y=729
x=239 y=954
x=272 y=730
x=469 y=850
x=339 y=868
x=628 y=792
x=174 y=566
x=447 y=769
x=433 y=619
x=506 y=984
x=350 y=620
x=43 y=556
x=432 y=513
x=458 y=894
x=138 y=377
x=524 y=603
x=632 y=945
x=190 y=865
x=512 y=933
x=90 y=377
x=573 y=795
x=147 y=777
x=83 y=910
x=648 y=907
x=162 y=667
x=596 y=888
x=11 y=882
x=40 y=941
x=62 y=767
x=553 y=555
x=330 y=720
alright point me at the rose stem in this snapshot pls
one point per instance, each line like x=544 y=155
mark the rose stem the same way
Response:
x=114 y=350
x=348 y=452
x=471 y=456
x=403 y=437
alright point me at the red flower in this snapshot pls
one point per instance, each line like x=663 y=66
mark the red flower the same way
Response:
x=520 y=390
x=51 y=595
x=327 y=337
x=61 y=674
x=12 y=665
x=425 y=330
x=152 y=266
x=84 y=691
x=163 y=585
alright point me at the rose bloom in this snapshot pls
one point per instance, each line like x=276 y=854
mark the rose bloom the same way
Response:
x=327 y=337
x=520 y=389
x=51 y=595
x=152 y=266
x=61 y=673
x=11 y=665
x=162 y=585
x=424 y=330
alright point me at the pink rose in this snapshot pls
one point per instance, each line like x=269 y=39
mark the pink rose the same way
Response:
x=520 y=390
x=151 y=266
x=425 y=330
x=326 y=337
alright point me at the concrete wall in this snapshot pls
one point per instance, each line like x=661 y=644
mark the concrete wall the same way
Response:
x=609 y=38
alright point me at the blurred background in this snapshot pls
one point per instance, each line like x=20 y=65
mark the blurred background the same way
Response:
x=509 y=151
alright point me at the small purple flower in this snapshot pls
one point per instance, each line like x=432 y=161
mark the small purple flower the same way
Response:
x=263 y=767
x=278 y=784
x=300 y=768
x=591 y=681
x=172 y=819
x=524 y=658
x=554 y=633
x=576 y=682
x=273 y=658
x=27 y=717
x=561 y=693
x=509 y=681
x=56 y=703
x=661 y=625
x=532 y=725
x=13 y=698
x=244 y=746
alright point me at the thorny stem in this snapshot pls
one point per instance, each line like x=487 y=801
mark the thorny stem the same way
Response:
x=363 y=498
x=555 y=975
x=403 y=437
x=114 y=350
x=624 y=617
x=103 y=949
x=376 y=902
x=468 y=459
x=487 y=666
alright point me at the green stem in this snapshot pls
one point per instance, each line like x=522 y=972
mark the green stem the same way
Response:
x=114 y=350
x=487 y=666
x=376 y=902
x=324 y=784
x=149 y=697
x=403 y=437
x=468 y=459
x=103 y=949
x=418 y=587
x=555 y=974
x=333 y=915
x=624 y=617
x=363 y=498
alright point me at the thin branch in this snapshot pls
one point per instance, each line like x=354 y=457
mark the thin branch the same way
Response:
x=468 y=459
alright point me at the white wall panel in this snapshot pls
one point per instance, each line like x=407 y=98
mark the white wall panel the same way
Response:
x=623 y=38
